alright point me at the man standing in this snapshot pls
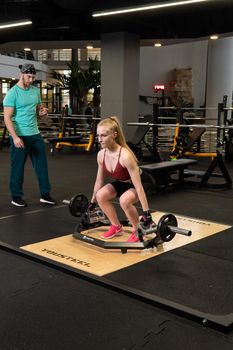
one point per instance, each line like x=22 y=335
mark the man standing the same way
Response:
x=21 y=105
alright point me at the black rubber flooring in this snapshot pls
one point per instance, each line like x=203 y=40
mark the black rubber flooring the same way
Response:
x=49 y=308
x=197 y=276
x=44 y=308
x=197 y=280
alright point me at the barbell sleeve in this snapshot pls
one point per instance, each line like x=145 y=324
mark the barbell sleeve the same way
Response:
x=66 y=201
x=180 y=231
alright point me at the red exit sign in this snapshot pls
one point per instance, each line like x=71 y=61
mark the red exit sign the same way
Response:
x=158 y=87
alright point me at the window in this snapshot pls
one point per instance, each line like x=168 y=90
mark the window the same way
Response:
x=92 y=53
x=5 y=88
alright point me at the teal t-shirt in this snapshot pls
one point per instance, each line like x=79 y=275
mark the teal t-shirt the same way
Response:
x=24 y=102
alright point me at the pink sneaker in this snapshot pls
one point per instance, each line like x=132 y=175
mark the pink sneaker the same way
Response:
x=113 y=231
x=133 y=238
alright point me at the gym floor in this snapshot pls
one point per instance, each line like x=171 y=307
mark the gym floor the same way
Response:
x=46 y=307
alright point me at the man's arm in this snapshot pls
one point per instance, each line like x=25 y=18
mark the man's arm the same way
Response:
x=8 y=112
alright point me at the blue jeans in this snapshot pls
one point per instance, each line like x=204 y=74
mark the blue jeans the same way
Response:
x=34 y=147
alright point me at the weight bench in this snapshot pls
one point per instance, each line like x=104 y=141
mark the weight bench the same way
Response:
x=185 y=143
x=161 y=172
x=138 y=140
x=3 y=137
x=194 y=136
x=68 y=139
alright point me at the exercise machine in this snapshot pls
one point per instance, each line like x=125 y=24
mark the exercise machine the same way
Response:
x=138 y=142
x=81 y=140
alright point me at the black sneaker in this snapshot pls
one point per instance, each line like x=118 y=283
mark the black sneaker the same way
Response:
x=18 y=202
x=47 y=199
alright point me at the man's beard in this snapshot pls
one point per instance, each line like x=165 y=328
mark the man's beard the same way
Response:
x=25 y=83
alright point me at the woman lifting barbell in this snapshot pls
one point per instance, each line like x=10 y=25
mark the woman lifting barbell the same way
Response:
x=116 y=160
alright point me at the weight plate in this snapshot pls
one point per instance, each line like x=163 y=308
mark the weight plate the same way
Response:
x=78 y=205
x=163 y=227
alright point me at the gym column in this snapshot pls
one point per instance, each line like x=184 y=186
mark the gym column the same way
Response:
x=120 y=78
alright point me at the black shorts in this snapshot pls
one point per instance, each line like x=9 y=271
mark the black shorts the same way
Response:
x=121 y=187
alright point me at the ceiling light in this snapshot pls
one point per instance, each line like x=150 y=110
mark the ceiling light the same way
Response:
x=89 y=47
x=15 y=24
x=157 y=44
x=145 y=8
x=214 y=37
x=27 y=49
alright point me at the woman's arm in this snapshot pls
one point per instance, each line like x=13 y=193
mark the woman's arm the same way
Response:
x=129 y=162
x=99 y=182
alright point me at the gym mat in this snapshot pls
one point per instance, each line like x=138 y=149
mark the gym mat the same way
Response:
x=86 y=257
x=45 y=309
x=165 y=335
